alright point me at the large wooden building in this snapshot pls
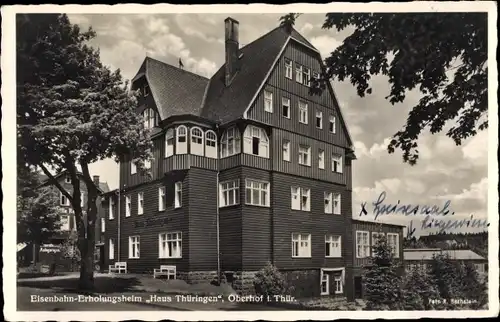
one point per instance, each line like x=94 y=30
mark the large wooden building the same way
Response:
x=248 y=168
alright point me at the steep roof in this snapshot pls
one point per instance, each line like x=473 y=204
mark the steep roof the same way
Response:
x=103 y=186
x=427 y=254
x=175 y=91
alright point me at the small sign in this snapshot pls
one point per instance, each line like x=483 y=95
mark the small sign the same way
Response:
x=50 y=249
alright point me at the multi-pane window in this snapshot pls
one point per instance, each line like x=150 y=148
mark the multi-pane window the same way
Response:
x=325 y=284
x=288 y=68
x=362 y=244
x=63 y=201
x=333 y=246
x=303 y=112
x=268 y=101
x=133 y=167
x=332 y=124
x=210 y=144
x=285 y=107
x=328 y=203
x=337 y=163
x=336 y=204
x=257 y=192
x=299 y=73
x=319 y=119
x=128 y=206
x=196 y=141
x=376 y=236
x=338 y=283
x=393 y=242
x=178 y=195
x=64 y=222
x=230 y=143
x=170 y=245
x=256 y=141
x=149 y=118
x=140 y=203
x=161 y=198
x=301 y=245
x=181 y=146
x=111 y=208
x=103 y=225
x=111 y=250
x=304 y=155
x=301 y=199
x=307 y=76
x=134 y=247
x=169 y=143
x=321 y=159
x=229 y=193
x=286 y=150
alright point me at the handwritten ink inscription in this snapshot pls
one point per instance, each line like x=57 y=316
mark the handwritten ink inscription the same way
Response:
x=151 y=222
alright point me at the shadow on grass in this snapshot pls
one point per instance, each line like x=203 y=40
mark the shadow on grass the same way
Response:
x=102 y=284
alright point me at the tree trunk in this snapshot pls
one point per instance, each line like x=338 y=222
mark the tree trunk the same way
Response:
x=87 y=242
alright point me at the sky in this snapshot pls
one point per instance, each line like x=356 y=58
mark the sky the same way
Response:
x=444 y=171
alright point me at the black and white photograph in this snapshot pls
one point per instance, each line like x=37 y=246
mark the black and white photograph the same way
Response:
x=225 y=162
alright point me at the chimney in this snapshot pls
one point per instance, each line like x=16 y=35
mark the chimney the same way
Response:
x=96 y=180
x=232 y=48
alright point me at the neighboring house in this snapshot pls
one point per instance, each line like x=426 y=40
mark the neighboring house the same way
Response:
x=248 y=168
x=421 y=258
x=364 y=235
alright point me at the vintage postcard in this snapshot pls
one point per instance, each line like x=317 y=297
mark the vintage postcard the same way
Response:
x=243 y=162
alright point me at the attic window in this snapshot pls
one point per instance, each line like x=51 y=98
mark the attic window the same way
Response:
x=146 y=90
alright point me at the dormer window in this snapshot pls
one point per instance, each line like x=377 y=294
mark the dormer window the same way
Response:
x=145 y=90
x=181 y=146
x=230 y=143
x=196 y=141
x=150 y=118
x=256 y=142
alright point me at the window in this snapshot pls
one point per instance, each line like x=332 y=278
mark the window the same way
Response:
x=140 y=203
x=149 y=118
x=362 y=244
x=321 y=159
x=301 y=199
x=134 y=247
x=229 y=193
x=178 y=195
x=63 y=201
x=230 y=142
x=196 y=141
x=128 y=206
x=161 y=198
x=133 y=167
x=146 y=90
x=111 y=251
x=170 y=245
x=307 y=76
x=480 y=268
x=103 y=225
x=288 y=68
x=147 y=164
x=333 y=246
x=337 y=163
x=393 y=242
x=338 y=284
x=336 y=204
x=210 y=144
x=268 y=101
x=325 y=284
x=328 y=203
x=111 y=208
x=82 y=199
x=256 y=193
x=67 y=179
x=169 y=143
x=181 y=146
x=376 y=236
x=65 y=223
x=285 y=103
x=301 y=245
x=286 y=150
x=298 y=73
x=302 y=112
x=304 y=155
x=319 y=119
x=315 y=75
x=332 y=124
x=256 y=141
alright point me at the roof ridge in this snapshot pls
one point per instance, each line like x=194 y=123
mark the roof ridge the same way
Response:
x=177 y=68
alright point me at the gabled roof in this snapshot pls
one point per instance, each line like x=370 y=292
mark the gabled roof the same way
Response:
x=103 y=186
x=175 y=91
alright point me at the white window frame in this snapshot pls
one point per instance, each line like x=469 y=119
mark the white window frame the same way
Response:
x=111 y=210
x=147 y=164
x=286 y=150
x=325 y=280
x=181 y=134
x=303 y=112
x=210 y=144
x=301 y=251
x=161 y=198
x=306 y=76
x=332 y=124
x=111 y=248
x=149 y=118
x=299 y=77
x=128 y=206
x=338 y=278
x=337 y=158
x=305 y=155
x=285 y=102
x=334 y=245
x=169 y=143
x=63 y=200
x=288 y=68
x=134 y=252
x=227 y=189
x=230 y=142
x=321 y=159
x=394 y=246
x=262 y=188
x=174 y=238
x=67 y=179
x=297 y=198
x=178 y=195
x=336 y=204
x=197 y=141
x=140 y=203
x=328 y=202
x=251 y=133
x=133 y=167
x=103 y=225
x=319 y=117
x=65 y=222
x=268 y=101
x=82 y=198
x=362 y=249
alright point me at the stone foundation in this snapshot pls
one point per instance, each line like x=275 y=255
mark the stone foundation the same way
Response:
x=197 y=277
x=242 y=282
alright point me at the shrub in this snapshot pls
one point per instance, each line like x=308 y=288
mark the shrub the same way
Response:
x=269 y=281
x=418 y=291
